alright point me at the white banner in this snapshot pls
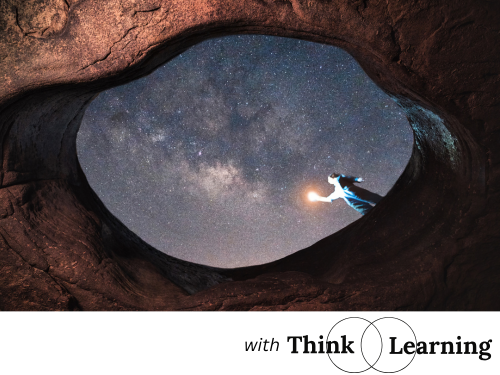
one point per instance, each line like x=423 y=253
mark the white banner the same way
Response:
x=250 y=343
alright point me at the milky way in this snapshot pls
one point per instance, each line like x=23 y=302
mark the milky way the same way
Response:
x=210 y=158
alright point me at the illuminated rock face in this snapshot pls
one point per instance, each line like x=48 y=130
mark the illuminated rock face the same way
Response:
x=432 y=243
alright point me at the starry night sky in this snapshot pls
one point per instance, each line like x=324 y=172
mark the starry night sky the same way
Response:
x=210 y=158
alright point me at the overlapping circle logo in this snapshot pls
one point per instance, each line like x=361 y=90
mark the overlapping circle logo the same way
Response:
x=356 y=345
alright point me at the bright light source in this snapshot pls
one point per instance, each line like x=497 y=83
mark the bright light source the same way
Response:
x=313 y=197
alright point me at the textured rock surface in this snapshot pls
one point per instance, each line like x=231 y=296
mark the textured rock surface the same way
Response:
x=433 y=243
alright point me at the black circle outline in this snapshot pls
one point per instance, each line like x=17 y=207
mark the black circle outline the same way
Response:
x=369 y=324
x=361 y=345
x=414 y=354
x=381 y=346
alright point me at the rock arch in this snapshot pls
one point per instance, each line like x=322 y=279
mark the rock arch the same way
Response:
x=431 y=244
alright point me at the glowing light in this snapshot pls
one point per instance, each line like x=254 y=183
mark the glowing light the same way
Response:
x=313 y=197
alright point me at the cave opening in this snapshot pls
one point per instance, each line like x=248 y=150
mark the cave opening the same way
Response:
x=210 y=157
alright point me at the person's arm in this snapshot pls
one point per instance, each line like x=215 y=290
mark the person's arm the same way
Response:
x=351 y=178
x=328 y=199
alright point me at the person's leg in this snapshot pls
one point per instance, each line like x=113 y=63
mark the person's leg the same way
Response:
x=360 y=206
x=365 y=195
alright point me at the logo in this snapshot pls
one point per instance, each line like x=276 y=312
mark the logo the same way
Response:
x=387 y=345
x=376 y=342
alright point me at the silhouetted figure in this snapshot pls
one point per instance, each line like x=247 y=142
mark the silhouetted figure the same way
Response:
x=358 y=198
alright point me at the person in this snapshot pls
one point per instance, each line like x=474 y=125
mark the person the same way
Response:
x=358 y=198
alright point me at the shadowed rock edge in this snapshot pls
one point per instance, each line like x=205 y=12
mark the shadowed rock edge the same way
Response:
x=430 y=244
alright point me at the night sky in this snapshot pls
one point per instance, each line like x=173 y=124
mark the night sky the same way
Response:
x=210 y=158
